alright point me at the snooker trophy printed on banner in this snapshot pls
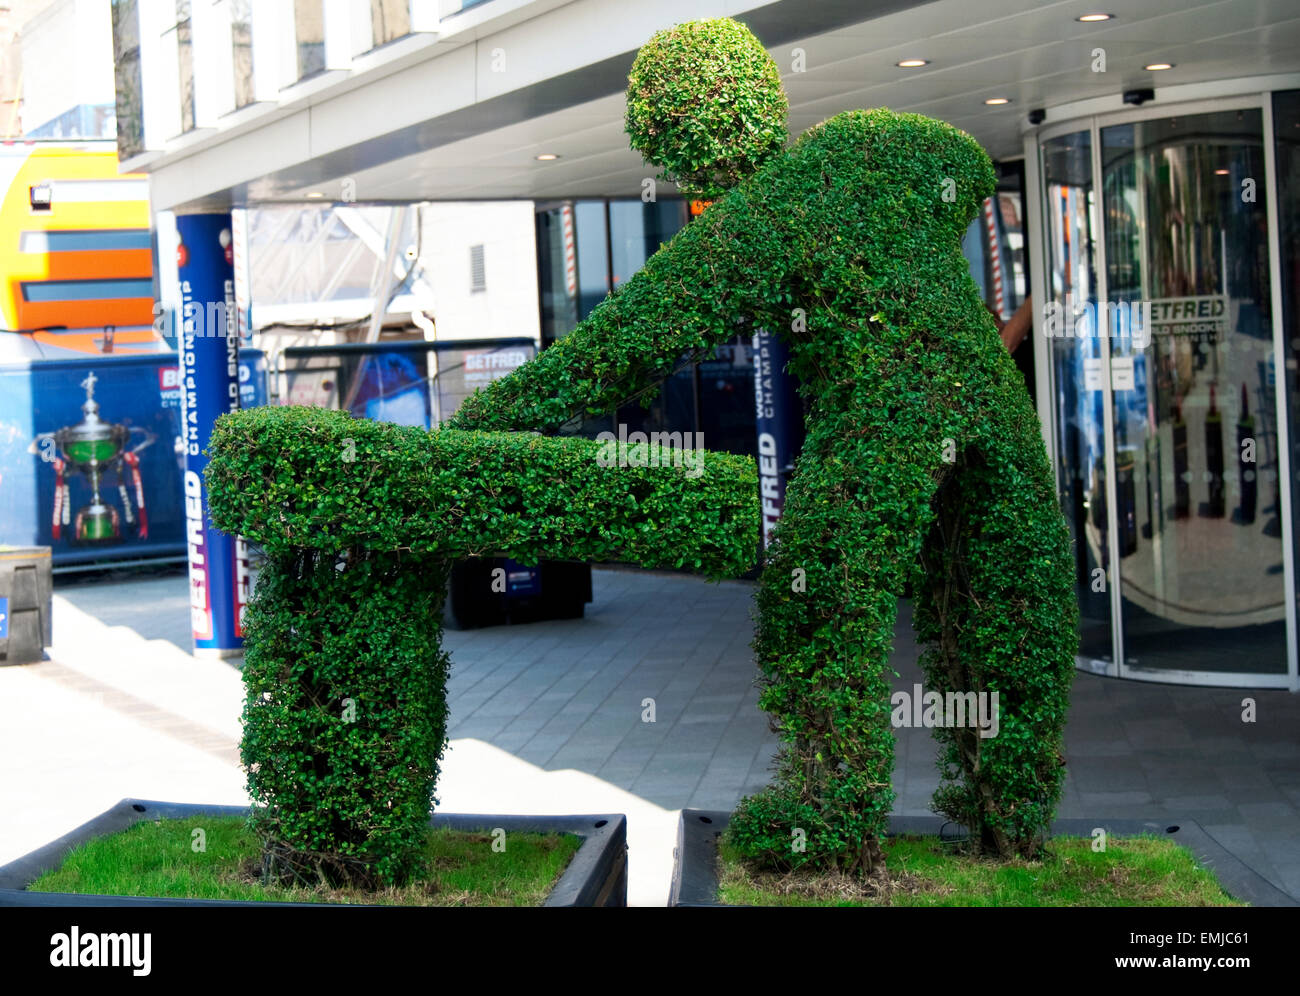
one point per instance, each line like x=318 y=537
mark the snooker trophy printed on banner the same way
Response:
x=106 y=455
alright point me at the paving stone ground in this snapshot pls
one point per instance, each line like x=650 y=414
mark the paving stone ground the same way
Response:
x=554 y=714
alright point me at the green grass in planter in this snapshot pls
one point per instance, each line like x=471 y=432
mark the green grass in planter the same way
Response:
x=156 y=858
x=923 y=871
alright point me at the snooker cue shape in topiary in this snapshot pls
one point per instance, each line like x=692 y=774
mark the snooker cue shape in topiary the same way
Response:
x=923 y=461
x=345 y=717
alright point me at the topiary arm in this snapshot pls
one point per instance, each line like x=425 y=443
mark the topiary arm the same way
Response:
x=311 y=479
x=687 y=299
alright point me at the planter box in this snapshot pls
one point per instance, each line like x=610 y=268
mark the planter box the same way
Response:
x=26 y=591
x=597 y=875
x=695 y=871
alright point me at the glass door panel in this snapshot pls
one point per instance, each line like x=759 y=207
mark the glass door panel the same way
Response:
x=1190 y=328
x=1076 y=374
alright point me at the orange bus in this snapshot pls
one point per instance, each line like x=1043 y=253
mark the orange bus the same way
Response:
x=76 y=266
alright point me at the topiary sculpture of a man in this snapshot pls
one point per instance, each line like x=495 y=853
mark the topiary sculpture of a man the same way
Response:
x=923 y=462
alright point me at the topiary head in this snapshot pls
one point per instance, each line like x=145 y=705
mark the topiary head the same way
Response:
x=704 y=101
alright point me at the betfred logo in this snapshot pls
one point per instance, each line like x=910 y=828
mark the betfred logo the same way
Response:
x=504 y=360
x=200 y=609
x=169 y=386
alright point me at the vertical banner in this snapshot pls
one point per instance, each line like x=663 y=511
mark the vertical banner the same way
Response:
x=209 y=380
x=776 y=405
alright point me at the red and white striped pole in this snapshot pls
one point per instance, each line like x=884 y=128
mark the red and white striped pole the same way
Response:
x=570 y=254
x=991 y=233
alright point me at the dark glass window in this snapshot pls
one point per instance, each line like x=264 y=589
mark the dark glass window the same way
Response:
x=591 y=231
x=1185 y=217
x=557 y=271
x=726 y=398
x=587 y=248
x=637 y=230
x=1080 y=446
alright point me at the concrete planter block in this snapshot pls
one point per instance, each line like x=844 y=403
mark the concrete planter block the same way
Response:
x=26 y=592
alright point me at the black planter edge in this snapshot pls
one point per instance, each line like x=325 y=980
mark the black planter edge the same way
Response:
x=596 y=876
x=695 y=870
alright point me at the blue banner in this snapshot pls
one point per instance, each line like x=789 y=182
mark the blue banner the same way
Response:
x=89 y=462
x=209 y=384
x=252 y=377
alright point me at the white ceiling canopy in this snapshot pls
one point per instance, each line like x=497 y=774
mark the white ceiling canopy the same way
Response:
x=1035 y=55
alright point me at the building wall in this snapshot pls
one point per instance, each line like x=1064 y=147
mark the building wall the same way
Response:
x=14 y=14
x=68 y=34
x=313 y=267
x=507 y=305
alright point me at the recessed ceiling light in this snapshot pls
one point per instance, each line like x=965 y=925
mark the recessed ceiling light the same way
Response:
x=912 y=63
x=1155 y=67
x=546 y=157
x=315 y=193
x=1220 y=172
x=996 y=101
x=1091 y=18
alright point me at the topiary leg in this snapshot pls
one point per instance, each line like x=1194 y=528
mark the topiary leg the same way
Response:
x=842 y=553
x=346 y=713
x=997 y=606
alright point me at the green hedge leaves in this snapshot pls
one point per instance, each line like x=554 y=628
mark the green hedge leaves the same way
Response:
x=345 y=718
x=306 y=478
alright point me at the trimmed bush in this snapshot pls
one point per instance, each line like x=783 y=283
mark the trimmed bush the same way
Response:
x=346 y=712
x=707 y=138
x=923 y=465
x=305 y=478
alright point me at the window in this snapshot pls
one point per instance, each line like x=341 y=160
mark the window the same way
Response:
x=557 y=270
x=477 y=273
x=389 y=20
x=637 y=230
x=309 y=31
x=185 y=56
x=241 y=43
x=126 y=75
